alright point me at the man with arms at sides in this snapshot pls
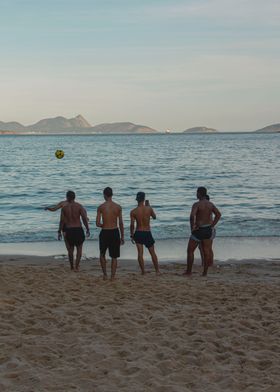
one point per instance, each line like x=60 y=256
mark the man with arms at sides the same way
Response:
x=109 y=218
x=142 y=235
x=212 y=239
x=70 y=223
x=202 y=223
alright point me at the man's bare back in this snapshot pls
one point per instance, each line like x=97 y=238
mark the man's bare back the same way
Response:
x=142 y=214
x=108 y=213
x=72 y=213
x=202 y=213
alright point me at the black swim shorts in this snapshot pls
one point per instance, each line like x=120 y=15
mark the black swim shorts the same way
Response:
x=202 y=233
x=144 y=238
x=110 y=239
x=75 y=236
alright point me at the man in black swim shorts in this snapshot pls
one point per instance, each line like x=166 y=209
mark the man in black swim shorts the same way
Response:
x=109 y=218
x=202 y=223
x=142 y=235
x=70 y=222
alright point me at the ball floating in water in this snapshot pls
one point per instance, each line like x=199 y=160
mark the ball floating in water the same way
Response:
x=59 y=154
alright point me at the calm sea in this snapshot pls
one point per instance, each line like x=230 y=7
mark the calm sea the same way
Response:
x=240 y=171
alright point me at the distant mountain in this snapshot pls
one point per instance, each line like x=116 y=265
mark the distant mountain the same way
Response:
x=60 y=124
x=122 y=127
x=200 y=130
x=74 y=125
x=274 y=128
x=11 y=126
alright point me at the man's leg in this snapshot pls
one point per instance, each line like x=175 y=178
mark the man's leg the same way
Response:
x=103 y=265
x=70 y=249
x=208 y=255
x=78 y=256
x=114 y=265
x=154 y=259
x=192 y=245
x=140 y=251
x=201 y=254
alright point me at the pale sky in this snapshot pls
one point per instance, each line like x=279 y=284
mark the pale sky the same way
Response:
x=165 y=64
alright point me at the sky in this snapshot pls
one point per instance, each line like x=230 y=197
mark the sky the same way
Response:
x=167 y=64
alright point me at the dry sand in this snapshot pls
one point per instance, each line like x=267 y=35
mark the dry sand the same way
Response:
x=65 y=331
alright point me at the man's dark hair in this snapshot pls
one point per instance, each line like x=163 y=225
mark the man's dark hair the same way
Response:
x=70 y=195
x=140 y=196
x=202 y=191
x=108 y=192
x=207 y=197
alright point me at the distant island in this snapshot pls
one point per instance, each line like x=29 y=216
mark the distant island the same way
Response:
x=200 y=130
x=274 y=128
x=76 y=125
x=79 y=125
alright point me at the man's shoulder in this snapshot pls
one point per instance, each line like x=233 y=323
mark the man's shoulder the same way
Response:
x=116 y=205
x=101 y=206
x=134 y=210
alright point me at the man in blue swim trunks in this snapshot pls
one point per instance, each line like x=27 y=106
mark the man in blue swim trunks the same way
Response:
x=202 y=224
x=142 y=235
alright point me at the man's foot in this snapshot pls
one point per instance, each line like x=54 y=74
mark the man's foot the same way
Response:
x=71 y=266
x=158 y=273
x=105 y=277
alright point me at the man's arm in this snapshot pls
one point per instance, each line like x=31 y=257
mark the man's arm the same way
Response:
x=153 y=214
x=56 y=207
x=61 y=224
x=132 y=224
x=217 y=214
x=121 y=226
x=98 y=218
x=193 y=217
x=85 y=220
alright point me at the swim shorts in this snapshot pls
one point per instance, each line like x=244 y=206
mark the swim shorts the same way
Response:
x=75 y=236
x=144 y=238
x=110 y=239
x=202 y=233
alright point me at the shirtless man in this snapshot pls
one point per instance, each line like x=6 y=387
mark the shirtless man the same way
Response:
x=70 y=223
x=202 y=223
x=109 y=218
x=56 y=207
x=142 y=235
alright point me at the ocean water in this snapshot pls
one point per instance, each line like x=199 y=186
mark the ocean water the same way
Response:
x=240 y=171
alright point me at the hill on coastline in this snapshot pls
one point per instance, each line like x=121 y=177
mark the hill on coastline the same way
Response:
x=78 y=124
x=274 y=128
x=200 y=130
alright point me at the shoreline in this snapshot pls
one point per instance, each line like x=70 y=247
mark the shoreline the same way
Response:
x=226 y=249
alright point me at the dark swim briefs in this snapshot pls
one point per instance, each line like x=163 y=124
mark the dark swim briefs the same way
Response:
x=202 y=233
x=75 y=236
x=144 y=238
x=110 y=238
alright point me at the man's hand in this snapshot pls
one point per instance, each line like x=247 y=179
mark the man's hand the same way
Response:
x=59 y=235
x=132 y=239
x=88 y=233
x=122 y=241
x=194 y=228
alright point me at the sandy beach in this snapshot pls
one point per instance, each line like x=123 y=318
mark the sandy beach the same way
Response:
x=63 y=331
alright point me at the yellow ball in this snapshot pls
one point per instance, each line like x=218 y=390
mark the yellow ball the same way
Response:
x=59 y=154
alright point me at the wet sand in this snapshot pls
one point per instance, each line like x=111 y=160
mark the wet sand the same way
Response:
x=65 y=331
